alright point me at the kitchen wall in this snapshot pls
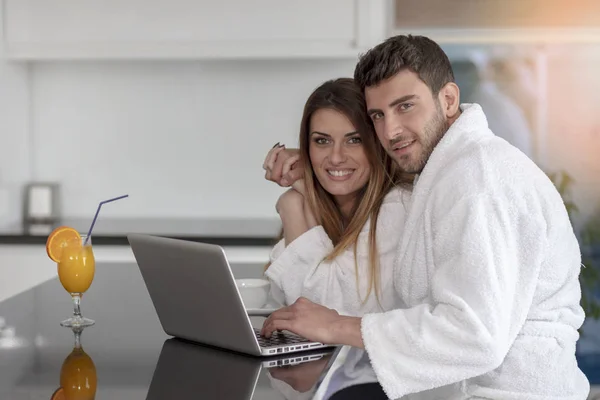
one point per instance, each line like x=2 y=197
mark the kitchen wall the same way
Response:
x=187 y=138
x=183 y=139
x=15 y=145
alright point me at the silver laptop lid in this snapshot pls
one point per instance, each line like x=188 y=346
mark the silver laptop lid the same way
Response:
x=193 y=291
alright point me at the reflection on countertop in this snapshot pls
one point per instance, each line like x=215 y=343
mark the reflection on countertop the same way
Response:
x=114 y=231
x=127 y=354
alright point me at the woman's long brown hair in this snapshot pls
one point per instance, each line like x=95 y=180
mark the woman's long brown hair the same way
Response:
x=344 y=96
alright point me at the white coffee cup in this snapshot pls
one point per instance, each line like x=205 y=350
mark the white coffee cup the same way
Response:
x=254 y=292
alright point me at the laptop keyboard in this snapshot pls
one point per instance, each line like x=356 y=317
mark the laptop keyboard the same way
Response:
x=278 y=339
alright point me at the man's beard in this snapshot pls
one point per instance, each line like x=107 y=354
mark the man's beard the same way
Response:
x=433 y=132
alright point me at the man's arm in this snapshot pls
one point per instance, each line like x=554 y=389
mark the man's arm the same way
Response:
x=347 y=332
x=315 y=322
x=485 y=257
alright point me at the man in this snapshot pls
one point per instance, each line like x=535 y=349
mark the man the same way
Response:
x=488 y=263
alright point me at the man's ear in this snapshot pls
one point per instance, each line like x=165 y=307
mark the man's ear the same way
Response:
x=449 y=98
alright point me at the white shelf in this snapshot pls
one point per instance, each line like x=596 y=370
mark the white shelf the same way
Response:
x=29 y=51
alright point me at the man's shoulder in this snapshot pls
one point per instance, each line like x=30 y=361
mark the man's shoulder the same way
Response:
x=488 y=157
x=489 y=166
x=397 y=194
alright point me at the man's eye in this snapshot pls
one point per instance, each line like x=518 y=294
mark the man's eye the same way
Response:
x=376 y=116
x=406 y=106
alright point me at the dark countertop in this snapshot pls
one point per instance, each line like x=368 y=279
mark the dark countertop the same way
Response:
x=128 y=354
x=113 y=231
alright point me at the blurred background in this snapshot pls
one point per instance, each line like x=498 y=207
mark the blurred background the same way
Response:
x=177 y=102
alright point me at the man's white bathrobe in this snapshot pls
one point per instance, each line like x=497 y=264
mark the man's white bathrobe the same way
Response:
x=488 y=268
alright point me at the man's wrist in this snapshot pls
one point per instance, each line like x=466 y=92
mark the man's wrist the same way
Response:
x=347 y=331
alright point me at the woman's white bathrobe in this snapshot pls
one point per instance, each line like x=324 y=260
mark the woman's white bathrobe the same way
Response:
x=488 y=269
x=299 y=270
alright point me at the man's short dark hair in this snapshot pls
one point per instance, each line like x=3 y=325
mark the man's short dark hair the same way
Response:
x=418 y=54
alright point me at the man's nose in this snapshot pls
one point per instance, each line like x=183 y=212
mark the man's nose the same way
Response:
x=392 y=129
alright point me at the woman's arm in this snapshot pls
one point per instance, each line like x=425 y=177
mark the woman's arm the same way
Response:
x=300 y=269
x=290 y=207
x=287 y=206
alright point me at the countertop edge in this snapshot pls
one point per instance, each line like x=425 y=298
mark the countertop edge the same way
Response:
x=112 y=240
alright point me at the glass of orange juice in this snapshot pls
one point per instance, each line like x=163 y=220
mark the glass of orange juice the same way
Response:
x=76 y=269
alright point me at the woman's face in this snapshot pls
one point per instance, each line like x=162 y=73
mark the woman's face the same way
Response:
x=337 y=155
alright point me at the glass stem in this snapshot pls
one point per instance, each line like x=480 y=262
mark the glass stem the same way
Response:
x=77 y=339
x=76 y=305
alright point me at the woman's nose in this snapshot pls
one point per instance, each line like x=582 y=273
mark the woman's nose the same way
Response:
x=337 y=155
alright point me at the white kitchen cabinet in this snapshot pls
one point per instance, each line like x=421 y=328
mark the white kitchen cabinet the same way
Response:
x=22 y=267
x=190 y=29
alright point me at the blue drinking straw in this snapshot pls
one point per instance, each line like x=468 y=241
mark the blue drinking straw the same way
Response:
x=96 y=216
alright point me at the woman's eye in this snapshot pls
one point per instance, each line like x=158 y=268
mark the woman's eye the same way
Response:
x=320 y=140
x=355 y=140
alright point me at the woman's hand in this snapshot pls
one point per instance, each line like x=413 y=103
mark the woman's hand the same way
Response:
x=283 y=166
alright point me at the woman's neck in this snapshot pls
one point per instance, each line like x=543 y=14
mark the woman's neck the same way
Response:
x=346 y=205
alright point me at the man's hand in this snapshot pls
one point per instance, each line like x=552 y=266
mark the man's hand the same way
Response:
x=315 y=322
x=283 y=166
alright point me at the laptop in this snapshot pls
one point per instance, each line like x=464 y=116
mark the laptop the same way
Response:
x=195 y=297
x=188 y=370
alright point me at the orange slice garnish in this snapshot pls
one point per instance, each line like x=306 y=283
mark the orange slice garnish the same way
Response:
x=59 y=394
x=59 y=239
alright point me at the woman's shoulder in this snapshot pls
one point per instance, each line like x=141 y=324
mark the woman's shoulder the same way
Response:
x=392 y=211
x=390 y=222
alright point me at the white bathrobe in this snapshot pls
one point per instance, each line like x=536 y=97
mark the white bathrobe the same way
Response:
x=299 y=270
x=488 y=268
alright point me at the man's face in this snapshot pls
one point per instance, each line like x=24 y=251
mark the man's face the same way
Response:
x=408 y=120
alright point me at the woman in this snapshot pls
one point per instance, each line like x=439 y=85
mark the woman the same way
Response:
x=342 y=221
